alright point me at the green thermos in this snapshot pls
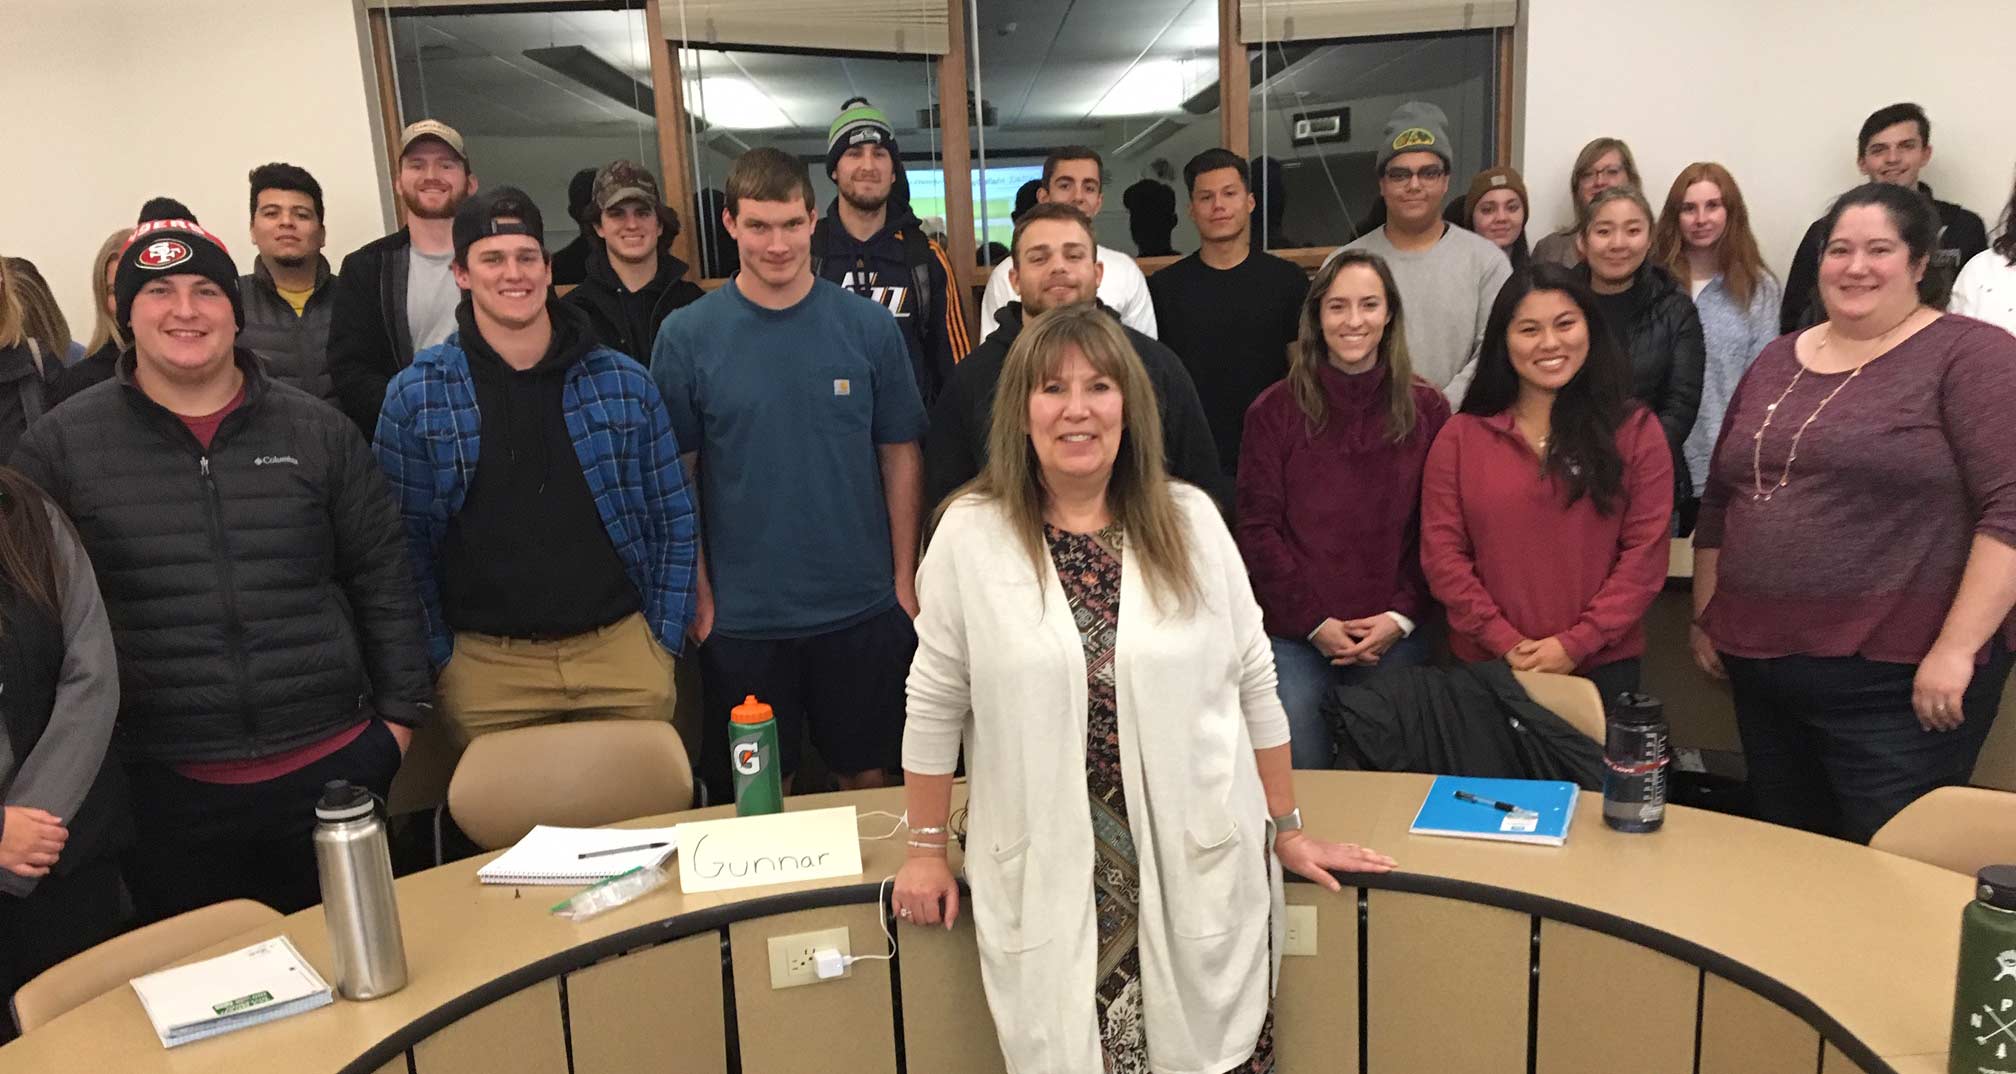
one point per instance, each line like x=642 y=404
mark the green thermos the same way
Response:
x=1984 y=996
x=752 y=753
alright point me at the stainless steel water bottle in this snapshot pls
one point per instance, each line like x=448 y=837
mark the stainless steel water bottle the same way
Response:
x=358 y=902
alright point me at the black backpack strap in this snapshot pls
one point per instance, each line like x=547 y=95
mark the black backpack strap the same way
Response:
x=917 y=254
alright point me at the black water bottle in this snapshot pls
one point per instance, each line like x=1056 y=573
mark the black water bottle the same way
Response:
x=1634 y=764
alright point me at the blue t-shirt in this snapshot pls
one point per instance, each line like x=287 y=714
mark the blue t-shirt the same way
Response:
x=786 y=408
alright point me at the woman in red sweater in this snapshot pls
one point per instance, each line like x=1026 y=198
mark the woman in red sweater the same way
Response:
x=1329 y=497
x=1855 y=560
x=1545 y=505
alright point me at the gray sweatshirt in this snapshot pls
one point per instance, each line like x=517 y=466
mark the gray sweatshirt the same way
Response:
x=1446 y=292
x=56 y=774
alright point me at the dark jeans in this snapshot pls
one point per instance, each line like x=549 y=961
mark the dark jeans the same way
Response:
x=1833 y=745
x=845 y=686
x=1303 y=677
x=1616 y=677
x=201 y=843
x=64 y=915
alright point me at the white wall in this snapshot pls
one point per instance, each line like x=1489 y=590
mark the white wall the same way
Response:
x=113 y=101
x=1774 y=91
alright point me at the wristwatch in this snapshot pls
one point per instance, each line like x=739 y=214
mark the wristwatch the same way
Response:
x=1290 y=821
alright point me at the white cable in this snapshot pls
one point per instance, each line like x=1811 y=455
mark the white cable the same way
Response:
x=902 y=822
x=883 y=919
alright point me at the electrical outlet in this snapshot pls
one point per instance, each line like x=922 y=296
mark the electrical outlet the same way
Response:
x=791 y=956
x=1301 y=939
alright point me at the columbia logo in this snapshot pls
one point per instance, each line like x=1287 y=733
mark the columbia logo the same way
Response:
x=276 y=460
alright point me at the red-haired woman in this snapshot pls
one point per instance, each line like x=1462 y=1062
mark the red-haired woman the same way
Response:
x=1704 y=239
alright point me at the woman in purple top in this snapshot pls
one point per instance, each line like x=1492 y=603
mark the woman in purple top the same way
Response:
x=1330 y=497
x=1855 y=562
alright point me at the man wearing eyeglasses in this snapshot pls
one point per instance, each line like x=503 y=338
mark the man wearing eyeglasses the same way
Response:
x=1448 y=276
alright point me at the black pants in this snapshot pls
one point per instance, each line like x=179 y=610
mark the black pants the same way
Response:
x=65 y=914
x=846 y=686
x=1615 y=677
x=1833 y=745
x=202 y=843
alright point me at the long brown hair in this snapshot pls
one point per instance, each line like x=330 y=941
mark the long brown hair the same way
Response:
x=1736 y=255
x=13 y=327
x=103 y=330
x=1311 y=352
x=27 y=561
x=42 y=319
x=1137 y=493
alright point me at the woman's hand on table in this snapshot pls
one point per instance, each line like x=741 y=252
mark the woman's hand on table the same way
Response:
x=1939 y=687
x=1314 y=859
x=926 y=892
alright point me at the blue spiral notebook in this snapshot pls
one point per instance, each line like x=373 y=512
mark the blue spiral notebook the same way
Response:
x=1509 y=810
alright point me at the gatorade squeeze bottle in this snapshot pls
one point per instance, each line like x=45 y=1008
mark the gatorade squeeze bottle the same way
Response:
x=752 y=753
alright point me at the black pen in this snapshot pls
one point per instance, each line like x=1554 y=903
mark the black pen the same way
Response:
x=1503 y=807
x=620 y=850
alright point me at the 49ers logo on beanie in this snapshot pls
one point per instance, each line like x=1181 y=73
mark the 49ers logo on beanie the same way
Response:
x=173 y=247
x=164 y=253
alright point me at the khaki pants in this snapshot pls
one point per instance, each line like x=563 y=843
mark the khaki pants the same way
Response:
x=615 y=673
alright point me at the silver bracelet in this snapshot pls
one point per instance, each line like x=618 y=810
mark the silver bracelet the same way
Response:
x=927 y=831
x=921 y=844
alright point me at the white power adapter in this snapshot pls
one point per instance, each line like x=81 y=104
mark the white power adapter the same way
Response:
x=828 y=963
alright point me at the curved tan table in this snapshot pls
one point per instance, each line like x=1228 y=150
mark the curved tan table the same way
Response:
x=1717 y=945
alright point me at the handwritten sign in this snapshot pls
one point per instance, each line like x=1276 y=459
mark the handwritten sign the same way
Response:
x=746 y=852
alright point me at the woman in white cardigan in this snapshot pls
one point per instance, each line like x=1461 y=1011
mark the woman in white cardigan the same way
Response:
x=1087 y=632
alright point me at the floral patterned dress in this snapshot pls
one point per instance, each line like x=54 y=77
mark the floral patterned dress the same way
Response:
x=1088 y=565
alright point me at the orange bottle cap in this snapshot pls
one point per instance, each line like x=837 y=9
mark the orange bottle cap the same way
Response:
x=751 y=711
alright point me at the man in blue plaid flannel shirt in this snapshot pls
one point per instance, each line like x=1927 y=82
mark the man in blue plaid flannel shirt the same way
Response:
x=546 y=512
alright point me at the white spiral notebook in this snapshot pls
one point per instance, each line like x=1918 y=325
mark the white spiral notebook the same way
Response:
x=552 y=855
x=258 y=984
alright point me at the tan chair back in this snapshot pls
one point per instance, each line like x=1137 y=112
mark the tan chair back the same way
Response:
x=1957 y=828
x=579 y=775
x=1571 y=697
x=84 y=977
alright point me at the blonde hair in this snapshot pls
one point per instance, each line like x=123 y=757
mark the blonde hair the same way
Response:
x=1137 y=493
x=104 y=330
x=1593 y=152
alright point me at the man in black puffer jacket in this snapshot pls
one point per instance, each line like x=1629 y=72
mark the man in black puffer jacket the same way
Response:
x=255 y=573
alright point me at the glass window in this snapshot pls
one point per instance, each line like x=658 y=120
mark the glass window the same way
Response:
x=1320 y=107
x=536 y=95
x=1136 y=81
x=739 y=99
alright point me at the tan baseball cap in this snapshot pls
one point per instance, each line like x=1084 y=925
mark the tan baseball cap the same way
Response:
x=432 y=128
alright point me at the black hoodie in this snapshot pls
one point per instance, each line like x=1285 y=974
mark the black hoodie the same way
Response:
x=625 y=320
x=957 y=447
x=882 y=271
x=528 y=556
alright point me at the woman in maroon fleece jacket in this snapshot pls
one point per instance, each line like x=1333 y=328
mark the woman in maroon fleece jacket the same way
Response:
x=1546 y=502
x=1329 y=497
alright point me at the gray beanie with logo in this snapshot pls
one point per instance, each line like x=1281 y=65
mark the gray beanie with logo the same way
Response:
x=1416 y=126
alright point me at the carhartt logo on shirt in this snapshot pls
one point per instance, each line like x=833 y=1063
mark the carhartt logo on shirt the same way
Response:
x=843 y=386
x=276 y=460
